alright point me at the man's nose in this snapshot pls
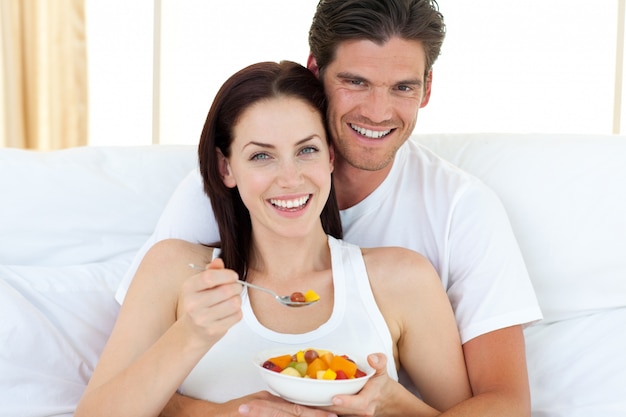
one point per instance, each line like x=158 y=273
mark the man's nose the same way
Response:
x=378 y=106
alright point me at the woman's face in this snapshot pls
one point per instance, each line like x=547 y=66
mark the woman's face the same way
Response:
x=281 y=163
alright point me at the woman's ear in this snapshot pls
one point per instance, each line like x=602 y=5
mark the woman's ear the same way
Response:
x=331 y=152
x=224 y=169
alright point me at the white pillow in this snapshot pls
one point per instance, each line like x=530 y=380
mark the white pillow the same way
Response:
x=55 y=322
x=566 y=201
x=87 y=204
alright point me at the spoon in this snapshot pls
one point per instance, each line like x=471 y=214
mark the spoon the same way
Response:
x=283 y=299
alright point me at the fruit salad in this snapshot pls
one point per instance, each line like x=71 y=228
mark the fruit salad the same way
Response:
x=307 y=297
x=316 y=364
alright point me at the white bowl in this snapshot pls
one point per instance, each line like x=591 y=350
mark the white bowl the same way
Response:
x=309 y=391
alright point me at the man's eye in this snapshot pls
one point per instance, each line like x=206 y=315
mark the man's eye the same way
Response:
x=405 y=88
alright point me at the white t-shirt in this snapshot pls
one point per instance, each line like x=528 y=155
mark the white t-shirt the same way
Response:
x=356 y=328
x=425 y=204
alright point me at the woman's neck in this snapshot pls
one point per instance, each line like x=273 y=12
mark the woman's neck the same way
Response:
x=286 y=259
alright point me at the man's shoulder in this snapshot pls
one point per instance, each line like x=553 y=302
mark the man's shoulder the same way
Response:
x=420 y=165
x=419 y=156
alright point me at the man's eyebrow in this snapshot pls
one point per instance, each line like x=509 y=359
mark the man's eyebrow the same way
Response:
x=418 y=82
x=350 y=76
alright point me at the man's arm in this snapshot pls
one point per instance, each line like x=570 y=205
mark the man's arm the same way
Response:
x=496 y=365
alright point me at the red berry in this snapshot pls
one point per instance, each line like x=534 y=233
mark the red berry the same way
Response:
x=341 y=375
x=272 y=366
x=297 y=297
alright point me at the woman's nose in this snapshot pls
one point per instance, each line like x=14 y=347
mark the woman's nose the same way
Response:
x=290 y=173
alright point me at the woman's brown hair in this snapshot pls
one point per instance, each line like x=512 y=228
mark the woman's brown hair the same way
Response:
x=261 y=81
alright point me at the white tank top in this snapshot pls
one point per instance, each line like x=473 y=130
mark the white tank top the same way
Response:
x=356 y=328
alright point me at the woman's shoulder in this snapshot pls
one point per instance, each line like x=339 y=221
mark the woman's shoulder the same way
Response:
x=395 y=258
x=171 y=258
x=180 y=251
x=398 y=272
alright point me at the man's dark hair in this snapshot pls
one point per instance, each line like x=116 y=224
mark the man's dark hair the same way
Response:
x=336 y=21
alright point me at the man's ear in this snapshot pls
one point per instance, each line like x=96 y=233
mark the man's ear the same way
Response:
x=224 y=169
x=427 y=88
x=311 y=64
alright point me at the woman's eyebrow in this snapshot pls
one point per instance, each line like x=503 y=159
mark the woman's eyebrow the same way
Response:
x=270 y=146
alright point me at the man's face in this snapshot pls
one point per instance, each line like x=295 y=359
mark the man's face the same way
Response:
x=374 y=93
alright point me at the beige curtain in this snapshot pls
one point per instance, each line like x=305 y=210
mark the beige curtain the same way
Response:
x=43 y=74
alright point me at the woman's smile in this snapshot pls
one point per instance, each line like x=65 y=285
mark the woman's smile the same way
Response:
x=290 y=204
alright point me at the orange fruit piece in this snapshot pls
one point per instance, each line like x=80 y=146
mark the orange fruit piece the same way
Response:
x=281 y=361
x=340 y=363
x=317 y=365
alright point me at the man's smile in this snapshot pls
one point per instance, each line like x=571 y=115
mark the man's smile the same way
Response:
x=368 y=133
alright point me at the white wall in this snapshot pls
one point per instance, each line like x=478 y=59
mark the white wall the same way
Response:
x=119 y=58
x=531 y=66
x=203 y=44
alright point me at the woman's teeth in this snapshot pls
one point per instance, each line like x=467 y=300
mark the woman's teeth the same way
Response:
x=288 y=204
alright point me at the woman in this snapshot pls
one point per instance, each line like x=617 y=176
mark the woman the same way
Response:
x=266 y=161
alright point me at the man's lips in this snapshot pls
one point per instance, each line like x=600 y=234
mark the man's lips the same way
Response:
x=369 y=133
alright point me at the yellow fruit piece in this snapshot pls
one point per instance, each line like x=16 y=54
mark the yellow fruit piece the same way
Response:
x=311 y=295
x=300 y=356
x=327 y=357
x=291 y=371
x=327 y=374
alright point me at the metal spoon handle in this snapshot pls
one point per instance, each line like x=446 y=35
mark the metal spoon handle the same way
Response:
x=246 y=283
x=285 y=299
x=256 y=287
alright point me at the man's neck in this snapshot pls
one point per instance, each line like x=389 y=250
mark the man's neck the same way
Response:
x=353 y=185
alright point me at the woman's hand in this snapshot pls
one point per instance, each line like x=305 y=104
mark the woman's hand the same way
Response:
x=272 y=406
x=381 y=395
x=259 y=404
x=373 y=395
x=210 y=302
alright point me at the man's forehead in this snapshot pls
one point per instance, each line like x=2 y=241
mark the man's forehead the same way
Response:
x=398 y=58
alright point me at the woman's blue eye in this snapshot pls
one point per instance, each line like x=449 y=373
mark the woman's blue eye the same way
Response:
x=259 y=156
x=309 y=149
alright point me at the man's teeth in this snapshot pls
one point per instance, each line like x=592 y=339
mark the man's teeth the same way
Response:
x=296 y=202
x=373 y=134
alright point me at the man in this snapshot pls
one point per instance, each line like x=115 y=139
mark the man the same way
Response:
x=375 y=59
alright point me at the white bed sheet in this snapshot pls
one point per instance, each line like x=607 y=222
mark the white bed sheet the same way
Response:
x=570 y=359
x=55 y=322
